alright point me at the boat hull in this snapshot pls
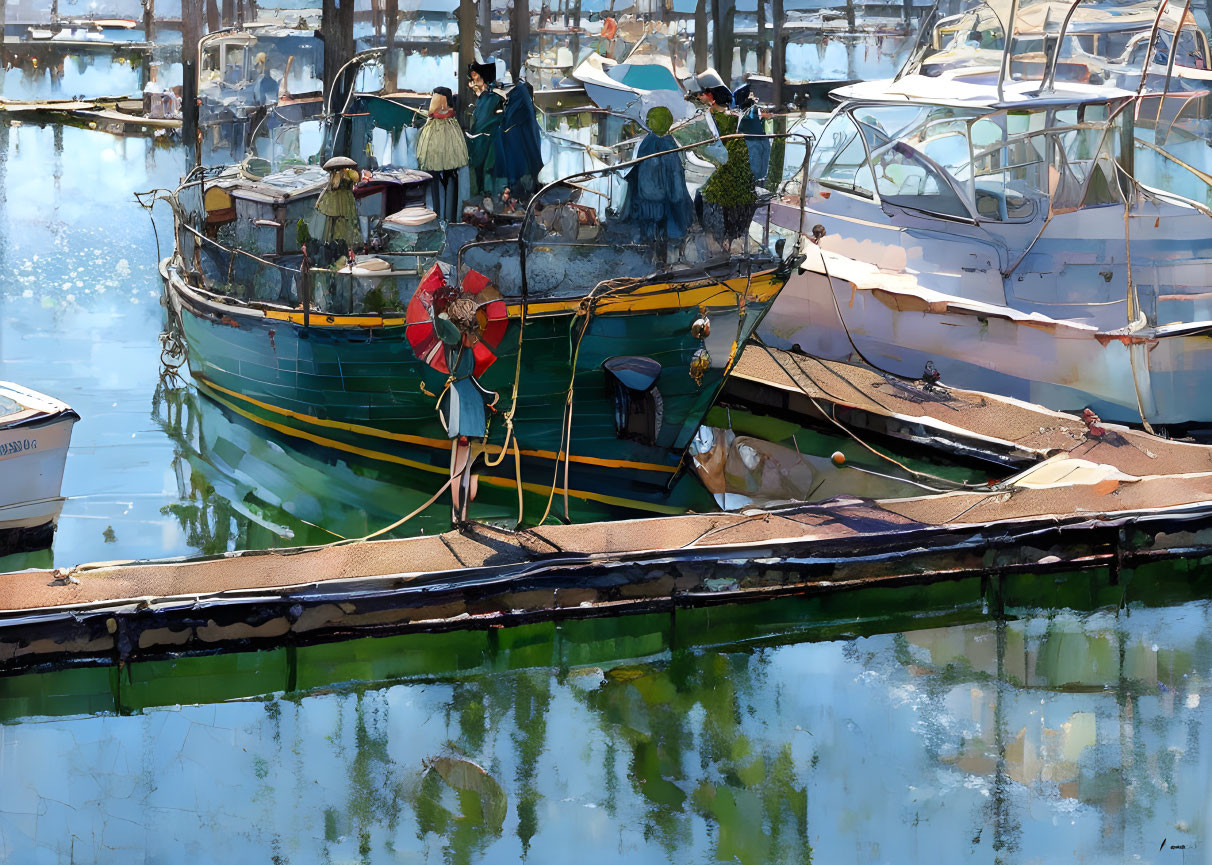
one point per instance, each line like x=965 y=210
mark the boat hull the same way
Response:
x=32 y=459
x=1122 y=376
x=354 y=384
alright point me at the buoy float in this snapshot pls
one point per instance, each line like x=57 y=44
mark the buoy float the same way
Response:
x=839 y=458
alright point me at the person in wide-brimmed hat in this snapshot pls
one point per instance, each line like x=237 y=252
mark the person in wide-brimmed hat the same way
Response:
x=337 y=203
x=728 y=199
x=710 y=89
x=484 y=127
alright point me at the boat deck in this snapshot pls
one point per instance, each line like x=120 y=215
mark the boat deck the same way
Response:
x=1110 y=503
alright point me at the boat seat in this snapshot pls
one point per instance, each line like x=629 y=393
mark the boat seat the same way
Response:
x=410 y=219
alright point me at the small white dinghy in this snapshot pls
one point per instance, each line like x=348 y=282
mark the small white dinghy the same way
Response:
x=35 y=431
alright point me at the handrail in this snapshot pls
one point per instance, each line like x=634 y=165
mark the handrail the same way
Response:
x=1049 y=82
x=199 y=177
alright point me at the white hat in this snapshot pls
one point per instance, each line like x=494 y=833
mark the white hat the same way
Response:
x=339 y=162
x=708 y=79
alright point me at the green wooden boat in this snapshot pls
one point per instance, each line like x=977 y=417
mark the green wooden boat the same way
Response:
x=597 y=357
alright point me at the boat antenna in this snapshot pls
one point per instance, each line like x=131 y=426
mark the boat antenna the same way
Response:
x=1008 y=30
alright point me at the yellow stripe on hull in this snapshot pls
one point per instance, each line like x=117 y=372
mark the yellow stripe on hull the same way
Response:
x=507 y=483
x=438 y=444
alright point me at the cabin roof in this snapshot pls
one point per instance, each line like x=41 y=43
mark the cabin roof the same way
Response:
x=969 y=93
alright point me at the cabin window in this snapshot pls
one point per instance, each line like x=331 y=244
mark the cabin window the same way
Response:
x=840 y=160
x=1191 y=50
x=638 y=406
x=905 y=176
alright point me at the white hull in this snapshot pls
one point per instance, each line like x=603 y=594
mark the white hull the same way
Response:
x=34 y=438
x=1058 y=363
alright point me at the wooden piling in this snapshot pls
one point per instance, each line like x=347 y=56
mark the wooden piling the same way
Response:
x=191 y=35
x=336 y=29
x=467 y=48
x=391 y=62
x=778 y=62
x=519 y=38
x=700 y=36
x=212 y=16
x=149 y=20
x=763 y=46
x=724 y=41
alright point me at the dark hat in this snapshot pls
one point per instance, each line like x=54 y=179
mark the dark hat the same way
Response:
x=487 y=70
x=444 y=91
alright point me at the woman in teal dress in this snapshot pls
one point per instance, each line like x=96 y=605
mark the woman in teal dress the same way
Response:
x=483 y=130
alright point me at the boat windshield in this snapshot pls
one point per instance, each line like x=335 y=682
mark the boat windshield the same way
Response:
x=1002 y=166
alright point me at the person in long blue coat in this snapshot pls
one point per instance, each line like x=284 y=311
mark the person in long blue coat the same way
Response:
x=657 y=201
x=483 y=130
x=519 y=147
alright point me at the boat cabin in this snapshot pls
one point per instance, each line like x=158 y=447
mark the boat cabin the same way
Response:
x=985 y=163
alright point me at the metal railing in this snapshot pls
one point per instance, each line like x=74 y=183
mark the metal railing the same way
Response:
x=266 y=281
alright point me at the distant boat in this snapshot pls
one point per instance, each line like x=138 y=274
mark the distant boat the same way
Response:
x=649 y=76
x=35 y=431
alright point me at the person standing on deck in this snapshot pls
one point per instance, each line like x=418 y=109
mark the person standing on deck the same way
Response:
x=485 y=126
x=657 y=201
x=442 y=151
x=338 y=205
x=728 y=199
x=463 y=403
x=519 y=145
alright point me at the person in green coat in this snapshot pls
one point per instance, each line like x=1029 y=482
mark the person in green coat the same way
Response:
x=483 y=130
x=338 y=205
x=729 y=197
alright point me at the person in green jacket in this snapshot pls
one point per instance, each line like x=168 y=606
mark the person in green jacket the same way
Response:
x=729 y=196
x=483 y=130
x=338 y=205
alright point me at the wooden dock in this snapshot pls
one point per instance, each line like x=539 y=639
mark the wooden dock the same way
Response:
x=1111 y=503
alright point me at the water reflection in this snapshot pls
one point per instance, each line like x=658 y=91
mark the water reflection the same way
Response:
x=1045 y=739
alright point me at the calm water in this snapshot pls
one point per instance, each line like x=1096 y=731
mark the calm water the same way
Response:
x=152 y=470
x=729 y=735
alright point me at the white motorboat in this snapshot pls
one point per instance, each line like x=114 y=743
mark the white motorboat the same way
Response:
x=1005 y=238
x=35 y=431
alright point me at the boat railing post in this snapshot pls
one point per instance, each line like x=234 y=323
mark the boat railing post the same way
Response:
x=305 y=289
x=1008 y=32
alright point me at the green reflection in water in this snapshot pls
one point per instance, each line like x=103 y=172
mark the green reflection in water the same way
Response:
x=778 y=732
